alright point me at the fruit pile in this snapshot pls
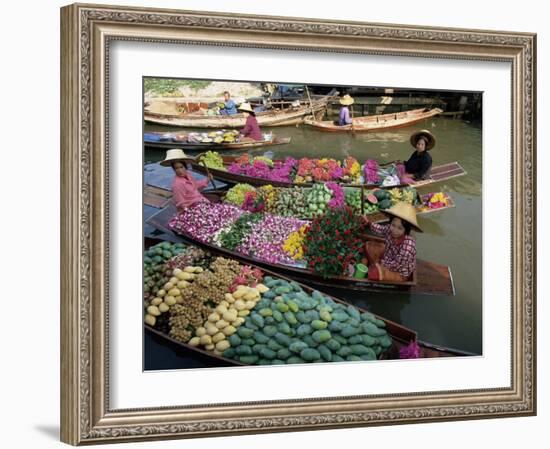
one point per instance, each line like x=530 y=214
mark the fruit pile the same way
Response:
x=226 y=318
x=171 y=293
x=288 y=326
x=290 y=202
x=220 y=136
x=317 y=199
x=201 y=296
x=352 y=198
x=433 y=200
x=236 y=195
x=233 y=311
x=153 y=264
x=212 y=160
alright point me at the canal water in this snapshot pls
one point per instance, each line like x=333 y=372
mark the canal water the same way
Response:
x=451 y=237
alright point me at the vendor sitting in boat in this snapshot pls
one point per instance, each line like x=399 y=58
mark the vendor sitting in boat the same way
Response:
x=185 y=188
x=229 y=106
x=395 y=258
x=419 y=164
x=251 y=131
x=344 y=117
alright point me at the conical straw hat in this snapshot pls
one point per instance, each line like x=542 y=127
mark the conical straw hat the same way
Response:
x=246 y=107
x=406 y=212
x=427 y=135
x=346 y=100
x=173 y=155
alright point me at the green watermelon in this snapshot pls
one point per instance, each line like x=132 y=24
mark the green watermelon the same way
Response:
x=384 y=204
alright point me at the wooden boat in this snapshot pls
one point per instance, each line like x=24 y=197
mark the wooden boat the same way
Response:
x=159 y=198
x=438 y=173
x=169 y=143
x=377 y=122
x=273 y=117
x=401 y=335
x=428 y=279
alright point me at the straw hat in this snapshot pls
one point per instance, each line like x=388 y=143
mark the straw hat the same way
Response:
x=406 y=212
x=427 y=135
x=346 y=100
x=174 y=155
x=246 y=108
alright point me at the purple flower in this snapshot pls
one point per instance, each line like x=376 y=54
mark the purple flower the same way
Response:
x=338 y=197
x=266 y=238
x=412 y=351
x=203 y=220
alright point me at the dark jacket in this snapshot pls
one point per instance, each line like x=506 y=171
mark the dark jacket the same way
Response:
x=419 y=165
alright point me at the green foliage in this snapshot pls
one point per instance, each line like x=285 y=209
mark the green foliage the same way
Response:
x=167 y=86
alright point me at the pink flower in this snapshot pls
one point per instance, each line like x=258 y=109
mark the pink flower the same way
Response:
x=412 y=351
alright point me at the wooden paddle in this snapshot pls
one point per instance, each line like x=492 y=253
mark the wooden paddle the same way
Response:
x=200 y=161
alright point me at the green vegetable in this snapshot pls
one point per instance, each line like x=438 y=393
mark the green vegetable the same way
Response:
x=260 y=337
x=321 y=336
x=268 y=353
x=304 y=329
x=298 y=346
x=243 y=350
x=318 y=324
x=248 y=359
x=235 y=340
x=325 y=352
x=310 y=354
x=349 y=331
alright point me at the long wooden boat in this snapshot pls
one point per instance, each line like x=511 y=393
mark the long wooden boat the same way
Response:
x=159 y=198
x=377 y=122
x=428 y=279
x=401 y=335
x=272 y=117
x=438 y=173
x=168 y=144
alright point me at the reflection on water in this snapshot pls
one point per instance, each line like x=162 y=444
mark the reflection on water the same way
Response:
x=451 y=237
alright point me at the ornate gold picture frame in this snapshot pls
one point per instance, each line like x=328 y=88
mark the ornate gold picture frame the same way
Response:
x=87 y=32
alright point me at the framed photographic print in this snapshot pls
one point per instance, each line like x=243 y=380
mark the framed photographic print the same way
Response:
x=280 y=224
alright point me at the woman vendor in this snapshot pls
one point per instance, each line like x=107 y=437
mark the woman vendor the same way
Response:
x=395 y=258
x=419 y=164
x=185 y=188
x=251 y=131
x=344 y=117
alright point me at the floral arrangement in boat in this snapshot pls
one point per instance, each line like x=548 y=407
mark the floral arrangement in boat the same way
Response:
x=264 y=168
x=300 y=171
x=332 y=242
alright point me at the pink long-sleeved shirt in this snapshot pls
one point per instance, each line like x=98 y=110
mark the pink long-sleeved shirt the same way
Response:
x=186 y=191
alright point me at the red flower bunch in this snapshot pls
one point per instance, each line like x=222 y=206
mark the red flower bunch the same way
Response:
x=332 y=243
x=243 y=160
x=253 y=202
x=248 y=276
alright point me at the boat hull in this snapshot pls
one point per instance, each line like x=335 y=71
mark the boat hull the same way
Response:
x=376 y=122
x=220 y=147
x=290 y=116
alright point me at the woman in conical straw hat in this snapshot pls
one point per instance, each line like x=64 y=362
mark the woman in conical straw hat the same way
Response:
x=251 y=131
x=419 y=164
x=395 y=259
x=185 y=188
x=344 y=117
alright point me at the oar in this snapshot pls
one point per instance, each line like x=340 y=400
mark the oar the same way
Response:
x=200 y=161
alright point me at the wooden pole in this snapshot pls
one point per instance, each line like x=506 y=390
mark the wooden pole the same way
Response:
x=310 y=103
